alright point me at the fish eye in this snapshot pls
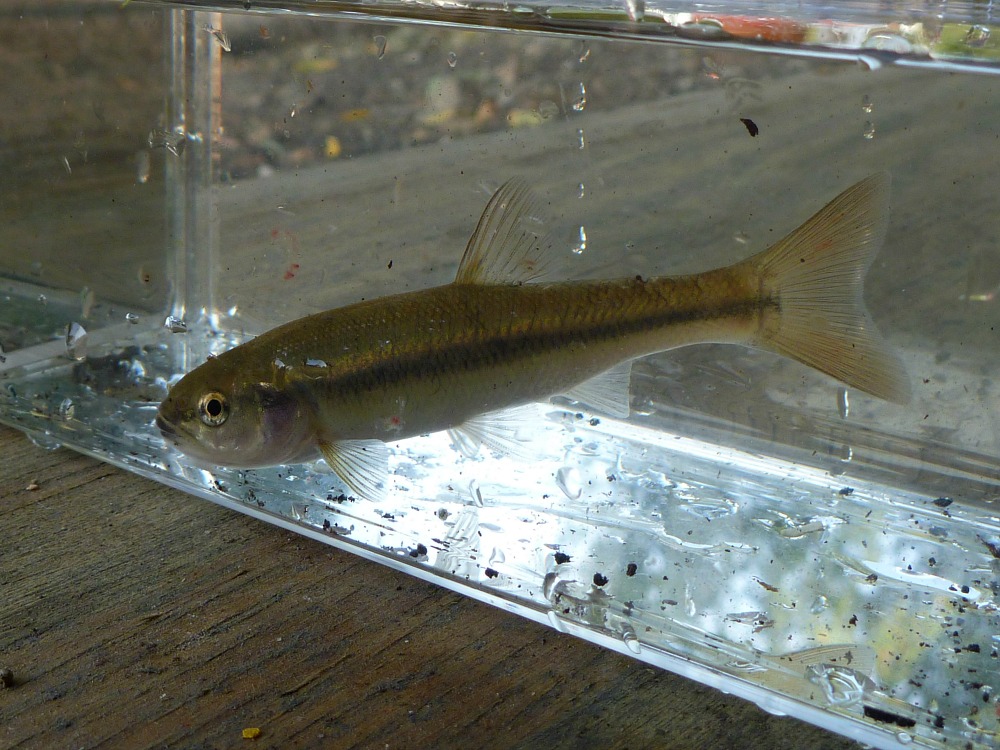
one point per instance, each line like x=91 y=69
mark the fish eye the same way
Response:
x=213 y=409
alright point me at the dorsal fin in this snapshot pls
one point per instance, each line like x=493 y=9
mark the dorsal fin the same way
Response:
x=505 y=248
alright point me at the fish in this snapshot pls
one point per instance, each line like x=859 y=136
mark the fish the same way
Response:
x=467 y=356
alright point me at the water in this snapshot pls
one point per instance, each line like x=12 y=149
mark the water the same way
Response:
x=752 y=524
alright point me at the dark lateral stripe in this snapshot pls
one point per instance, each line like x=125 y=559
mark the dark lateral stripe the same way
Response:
x=439 y=357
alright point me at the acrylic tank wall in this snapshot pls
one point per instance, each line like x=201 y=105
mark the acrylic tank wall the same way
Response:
x=752 y=523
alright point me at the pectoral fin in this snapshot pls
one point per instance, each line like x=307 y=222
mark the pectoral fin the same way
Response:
x=363 y=465
x=608 y=393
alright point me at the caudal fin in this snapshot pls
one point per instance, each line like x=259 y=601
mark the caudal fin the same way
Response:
x=816 y=274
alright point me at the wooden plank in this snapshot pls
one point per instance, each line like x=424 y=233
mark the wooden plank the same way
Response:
x=135 y=616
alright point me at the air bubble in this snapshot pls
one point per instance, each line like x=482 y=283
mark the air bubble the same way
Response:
x=887 y=42
x=556 y=622
x=380 y=42
x=477 y=494
x=76 y=342
x=581 y=141
x=67 y=408
x=568 y=480
x=42 y=299
x=580 y=103
x=548 y=109
x=841 y=687
x=820 y=603
x=636 y=10
x=87 y=300
x=631 y=640
x=581 y=245
x=170 y=140
x=581 y=190
x=707 y=30
x=869 y=130
x=131 y=318
x=452 y=59
x=315 y=363
x=977 y=36
x=866 y=104
x=904 y=738
x=584 y=54
x=175 y=324
x=843 y=403
x=869 y=63
x=44 y=441
x=142 y=167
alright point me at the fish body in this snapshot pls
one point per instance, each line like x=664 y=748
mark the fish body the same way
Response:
x=341 y=383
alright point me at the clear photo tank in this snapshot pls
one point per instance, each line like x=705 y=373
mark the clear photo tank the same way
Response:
x=752 y=524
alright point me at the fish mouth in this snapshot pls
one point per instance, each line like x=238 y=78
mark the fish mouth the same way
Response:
x=165 y=428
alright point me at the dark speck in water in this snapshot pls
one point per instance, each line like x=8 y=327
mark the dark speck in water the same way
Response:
x=490 y=573
x=992 y=545
x=943 y=502
x=751 y=126
x=845 y=491
x=600 y=579
x=630 y=569
x=887 y=717
x=562 y=557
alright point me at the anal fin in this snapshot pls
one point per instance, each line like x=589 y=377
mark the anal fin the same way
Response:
x=500 y=431
x=607 y=393
x=363 y=465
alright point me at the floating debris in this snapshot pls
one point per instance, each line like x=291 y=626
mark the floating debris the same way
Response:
x=751 y=126
x=220 y=36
